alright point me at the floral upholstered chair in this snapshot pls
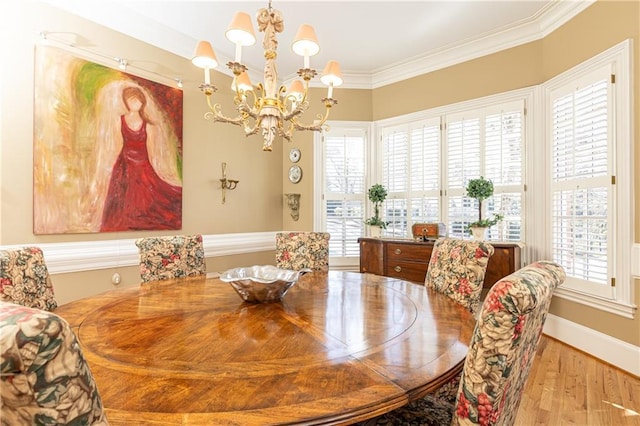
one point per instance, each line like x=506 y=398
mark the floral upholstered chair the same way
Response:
x=44 y=377
x=500 y=355
x=25 y=280
x=457 y=269
x=299 y=250
x=177 y=256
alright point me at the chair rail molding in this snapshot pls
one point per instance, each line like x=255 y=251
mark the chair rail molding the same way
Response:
x=72 y=257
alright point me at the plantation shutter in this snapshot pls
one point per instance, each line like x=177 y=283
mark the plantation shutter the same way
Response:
x=395 y=178
x=424 y=165
x=344 y=192
x=488 y=142
x=581 y=192
x=463 y=163
x=503 y=155
x=411 y=173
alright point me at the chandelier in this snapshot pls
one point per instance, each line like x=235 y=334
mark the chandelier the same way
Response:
x=266 y=107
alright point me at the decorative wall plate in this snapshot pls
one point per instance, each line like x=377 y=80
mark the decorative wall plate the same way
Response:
x=295 y=174
x=294 y=155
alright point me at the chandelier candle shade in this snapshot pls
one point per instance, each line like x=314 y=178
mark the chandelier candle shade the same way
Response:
x=266 y=107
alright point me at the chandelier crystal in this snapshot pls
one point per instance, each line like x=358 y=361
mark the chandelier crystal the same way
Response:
x=267 y=107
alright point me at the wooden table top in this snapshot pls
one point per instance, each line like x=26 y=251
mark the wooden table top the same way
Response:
x=341 y=347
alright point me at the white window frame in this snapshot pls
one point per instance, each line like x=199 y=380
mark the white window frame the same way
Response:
x=621 y=301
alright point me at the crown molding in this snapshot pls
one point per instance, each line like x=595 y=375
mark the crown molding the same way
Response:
x=554 y=15
x=525 y=31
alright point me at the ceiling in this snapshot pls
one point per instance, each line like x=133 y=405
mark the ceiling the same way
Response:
x=376 y=42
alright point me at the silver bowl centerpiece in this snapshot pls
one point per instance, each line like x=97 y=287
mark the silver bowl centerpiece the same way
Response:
x=262 y=284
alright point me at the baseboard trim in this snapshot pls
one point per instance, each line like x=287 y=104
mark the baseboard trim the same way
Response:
x=618 y=353
x=72 y=257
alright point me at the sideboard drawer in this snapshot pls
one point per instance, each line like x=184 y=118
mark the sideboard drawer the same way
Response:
x=416 y=252
x=407 y=270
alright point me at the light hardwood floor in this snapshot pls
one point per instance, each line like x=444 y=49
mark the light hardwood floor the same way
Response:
x=569 y=387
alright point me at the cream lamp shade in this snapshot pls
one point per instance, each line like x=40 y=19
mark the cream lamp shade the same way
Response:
x=243 y=82
x=240 y=31
x=332 y=76
x=204 y=56
x=296 y=90
x=305 y=43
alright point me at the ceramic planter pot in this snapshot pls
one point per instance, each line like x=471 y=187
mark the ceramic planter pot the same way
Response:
x=375 y=231
x=479 y=233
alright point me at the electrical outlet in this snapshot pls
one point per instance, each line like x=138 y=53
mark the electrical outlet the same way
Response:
x=115 y=279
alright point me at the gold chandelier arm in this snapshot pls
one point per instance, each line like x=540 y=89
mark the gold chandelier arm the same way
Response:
x=299 y=109
x=320 y=119
x=217 y=116
x=242 y=103
x=286 y=133
x=248 y=131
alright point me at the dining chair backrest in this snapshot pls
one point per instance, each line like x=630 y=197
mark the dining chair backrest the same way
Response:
x=299 y=250
x=457 y=269
x=44 y=376
x=25 y=280
x=497 y=365
x=167 y=257
x=504 y=344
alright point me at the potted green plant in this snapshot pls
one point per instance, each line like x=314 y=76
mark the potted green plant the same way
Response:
x=481 y=189
x=377 y=194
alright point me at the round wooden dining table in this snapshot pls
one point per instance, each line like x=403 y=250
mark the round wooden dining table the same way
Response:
x=340 y=347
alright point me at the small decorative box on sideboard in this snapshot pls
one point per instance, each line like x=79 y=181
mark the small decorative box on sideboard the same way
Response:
x=408 y=259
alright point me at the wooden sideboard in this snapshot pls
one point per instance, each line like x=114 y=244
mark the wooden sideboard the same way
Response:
x=408 y=259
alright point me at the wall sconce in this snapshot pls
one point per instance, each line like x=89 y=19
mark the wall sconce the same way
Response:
x=229 y=184
x=293 y=201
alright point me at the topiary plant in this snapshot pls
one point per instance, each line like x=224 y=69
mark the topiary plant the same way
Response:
x=481 y=189
x=377 y=194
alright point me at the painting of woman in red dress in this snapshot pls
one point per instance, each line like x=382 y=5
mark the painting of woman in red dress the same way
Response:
x=107 y=148
x=138 y=198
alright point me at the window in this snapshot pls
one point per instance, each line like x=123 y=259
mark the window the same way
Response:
x=411 y=173
x=588 y=143
x=580 y=179
x=487 y=142
x=344 y=154
x=426 y=169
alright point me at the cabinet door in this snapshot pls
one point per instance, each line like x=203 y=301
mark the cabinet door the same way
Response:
x=371 y=258
x=505 y=261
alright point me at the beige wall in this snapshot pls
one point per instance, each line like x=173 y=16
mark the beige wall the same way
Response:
x=257 y=204
x=500 y=72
